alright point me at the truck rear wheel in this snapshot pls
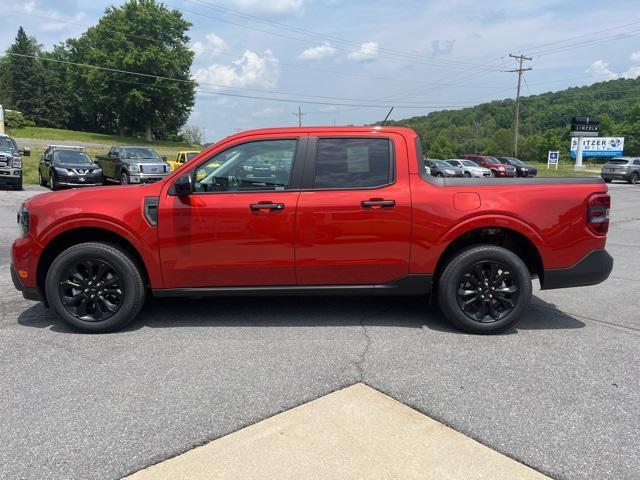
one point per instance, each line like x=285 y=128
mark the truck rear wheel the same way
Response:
x=95 y=287
x=484 y=289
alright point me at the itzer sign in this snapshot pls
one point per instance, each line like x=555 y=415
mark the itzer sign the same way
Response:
x=598 y=146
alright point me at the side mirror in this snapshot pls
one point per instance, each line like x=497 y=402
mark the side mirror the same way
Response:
x=26 y=151
x=183 y=186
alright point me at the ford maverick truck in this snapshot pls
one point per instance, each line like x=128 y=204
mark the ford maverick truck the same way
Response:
x=331 y=211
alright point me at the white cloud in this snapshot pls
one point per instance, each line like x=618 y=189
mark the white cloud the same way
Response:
x=315 y=53
x=250 y=70
x=267 y=6
x=367 y=51
x=600 y=71
x=267 y=112
x=213 y=45
x=635 y=56
x=442 y=47
x=632 y=73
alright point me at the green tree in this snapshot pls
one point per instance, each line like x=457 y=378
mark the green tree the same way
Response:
x=145 y=37
x=441 y=147
x=29 y=86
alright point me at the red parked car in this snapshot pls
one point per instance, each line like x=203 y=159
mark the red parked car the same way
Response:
x=498 y=167
x=342 y=210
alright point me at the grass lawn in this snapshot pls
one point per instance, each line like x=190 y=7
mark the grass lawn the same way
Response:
x=565 y=169
x=38 y=133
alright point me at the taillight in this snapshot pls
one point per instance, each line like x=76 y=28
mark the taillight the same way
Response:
x=598 y=213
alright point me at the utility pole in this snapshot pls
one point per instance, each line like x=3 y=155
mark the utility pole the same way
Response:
x=520 y=70
x=300 y=114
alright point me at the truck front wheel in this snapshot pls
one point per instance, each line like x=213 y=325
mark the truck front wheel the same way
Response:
x=95 y=287
x=484 y=289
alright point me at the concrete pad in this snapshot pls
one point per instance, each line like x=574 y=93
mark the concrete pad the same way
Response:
x=356 y=432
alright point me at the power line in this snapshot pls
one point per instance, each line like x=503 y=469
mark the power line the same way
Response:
x=520 y=70
x=191 y=81
x=235 y=54
x=393 y=52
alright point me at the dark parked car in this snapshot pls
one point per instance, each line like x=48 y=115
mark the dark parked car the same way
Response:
x=622 y=168
x=126 y=164
x=522 y=170
x=11 y=163
x=440 y=168
x=67 y=166
x=497 y=167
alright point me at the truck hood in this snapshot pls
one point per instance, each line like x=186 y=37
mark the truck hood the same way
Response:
x=91 y=200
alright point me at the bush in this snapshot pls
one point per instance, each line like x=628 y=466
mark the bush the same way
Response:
x=13 y=120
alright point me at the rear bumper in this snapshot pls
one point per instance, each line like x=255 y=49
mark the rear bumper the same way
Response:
x=594 y=268
x=27 y=292
x=615 y=176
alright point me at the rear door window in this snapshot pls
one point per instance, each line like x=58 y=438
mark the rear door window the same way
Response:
x=353 y=163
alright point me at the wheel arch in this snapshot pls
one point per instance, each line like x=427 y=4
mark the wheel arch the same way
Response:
x=75 y=236
x=498 y=235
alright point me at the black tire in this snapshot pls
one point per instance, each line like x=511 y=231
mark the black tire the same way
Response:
x=439 y=175
x=634 y=178
x=607 y=180
x=41 y=180
x=102 y=287
x=493 y=173
x=467 y=174
x=124 y=178
x=52 y=182
x=18 y=185
x=511 y=284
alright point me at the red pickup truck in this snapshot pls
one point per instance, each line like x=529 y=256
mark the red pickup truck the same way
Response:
x=342 y=210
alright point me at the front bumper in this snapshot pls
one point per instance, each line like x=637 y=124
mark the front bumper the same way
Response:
x=79 y=180
x=27 y=292
x=145 y=177
x=594 y=268
x=10 y=176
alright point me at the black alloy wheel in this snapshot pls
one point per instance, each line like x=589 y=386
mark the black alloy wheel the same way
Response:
x=484 y=289
x=95 y=287
x=634 y=178
x=91 y=290
x=487 y=292
x=124 y=178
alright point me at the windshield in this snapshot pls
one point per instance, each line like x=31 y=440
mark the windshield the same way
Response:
x=190 y=155
x=6 y=145
x=453 y=163
x=493 y=160
x=469 y=163
x=70 y=156
x=619 y=161
x=140 y=153
x=442 y=164
x=514 y=161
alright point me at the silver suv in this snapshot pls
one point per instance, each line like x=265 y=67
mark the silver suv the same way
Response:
x=622 y=168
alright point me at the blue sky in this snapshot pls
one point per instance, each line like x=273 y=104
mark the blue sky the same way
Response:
x=425 y=54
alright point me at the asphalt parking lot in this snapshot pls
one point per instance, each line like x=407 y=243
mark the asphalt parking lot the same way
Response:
x=560 y=393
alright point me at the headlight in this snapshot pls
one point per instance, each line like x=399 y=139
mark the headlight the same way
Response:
x=524 y=169
x=17 y=162
x=134 y=169
x=450 y=172
x=501 y=169
x=23 y=220
x=428 y=170
x=63 y=171
x=97 y=171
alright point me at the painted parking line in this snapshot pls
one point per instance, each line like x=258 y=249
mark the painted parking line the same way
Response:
x=356 y=432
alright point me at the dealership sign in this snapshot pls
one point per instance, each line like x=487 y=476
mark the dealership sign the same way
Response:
x=598 y=146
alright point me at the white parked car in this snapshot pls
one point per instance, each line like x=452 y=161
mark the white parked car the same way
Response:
x=471 y=169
